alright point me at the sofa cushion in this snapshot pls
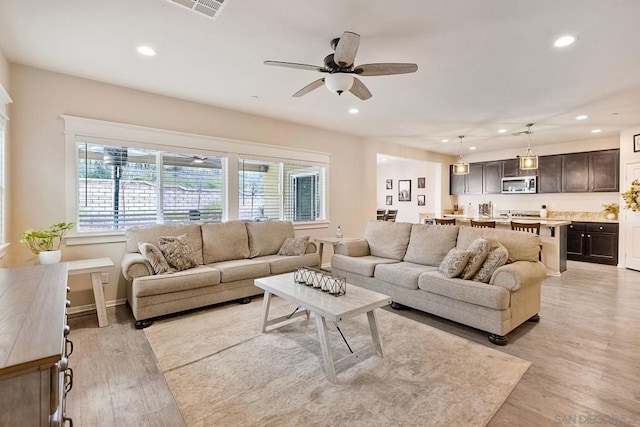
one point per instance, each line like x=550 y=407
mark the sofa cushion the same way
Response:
x=240 y=269
x=363 y=265
x=159 y=284
x=497 y=257
x=388 y=239
x=284 y=264
x=155 y=258
x=495 y=297
x=266 y=237
x=402 y=274
x=294 y=246
x=224 y=241
x=479 y=250
x=455 y=261
x=429 y=244
x=520 y=245
x=151 y=233
x=178 y=251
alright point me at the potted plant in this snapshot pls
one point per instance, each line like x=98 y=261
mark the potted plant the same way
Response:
x=46 y=242
x=612 y=210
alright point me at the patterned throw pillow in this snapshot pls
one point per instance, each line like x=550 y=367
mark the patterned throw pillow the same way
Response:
x=155 y=258
x=294 y=246
x=178 y=251
x=453 y=264
x=479 y=250
x=497 y=257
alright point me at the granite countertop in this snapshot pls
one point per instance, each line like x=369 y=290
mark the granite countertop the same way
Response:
x=549 y=222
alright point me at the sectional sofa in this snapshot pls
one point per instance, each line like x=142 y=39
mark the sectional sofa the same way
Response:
x=403 y=261
x=227 y=255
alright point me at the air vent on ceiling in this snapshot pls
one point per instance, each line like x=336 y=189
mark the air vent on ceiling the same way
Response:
x=210 y=8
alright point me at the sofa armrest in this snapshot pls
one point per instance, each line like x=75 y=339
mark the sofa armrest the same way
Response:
x=354 y=248
x=135 y=265
x=311 y=248
x=518 y=274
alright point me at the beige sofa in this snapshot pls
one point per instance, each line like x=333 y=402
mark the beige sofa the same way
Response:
x=229 y=256
x=401 y=260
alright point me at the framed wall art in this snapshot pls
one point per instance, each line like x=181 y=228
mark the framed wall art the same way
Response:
x=404 y=190
x=389 y=200
x=389 y=184
x=421 y=182
x=421 y=200
x=636 y=143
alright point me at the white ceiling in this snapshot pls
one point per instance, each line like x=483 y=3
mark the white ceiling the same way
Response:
x=483 y=64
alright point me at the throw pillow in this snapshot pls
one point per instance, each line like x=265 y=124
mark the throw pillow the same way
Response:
x=178 y=251
x=479 y=250
x=497 y=257
x=294 y=246
x=155 y=258
x=455 y=261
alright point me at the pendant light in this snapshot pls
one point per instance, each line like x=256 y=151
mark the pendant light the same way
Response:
x=529 y=161
x=460 y=167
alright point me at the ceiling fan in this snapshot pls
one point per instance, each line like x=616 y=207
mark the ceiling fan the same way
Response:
x=524 y=132
x=341 y=71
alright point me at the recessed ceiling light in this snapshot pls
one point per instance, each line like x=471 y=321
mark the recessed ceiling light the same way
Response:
x=146 y=51
x=564 y=41
x=502 y=131
x=472 y=148
x=582 y=117
x=445 y=140
x=353 y=111
x=596 y=131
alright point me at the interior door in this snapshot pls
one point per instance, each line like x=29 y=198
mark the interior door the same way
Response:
x=632 y=222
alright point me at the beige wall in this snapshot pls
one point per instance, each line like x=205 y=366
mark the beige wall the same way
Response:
x=4 y=71
x=37 y=153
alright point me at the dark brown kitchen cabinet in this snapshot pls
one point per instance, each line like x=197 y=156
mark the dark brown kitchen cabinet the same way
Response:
x=456 y=183
x=492 y=177
x=511 y=167
x=466 y=184
x=595 y=242
x=549 y=174
x=596 y=171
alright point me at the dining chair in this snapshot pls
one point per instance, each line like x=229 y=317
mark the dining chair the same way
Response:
x=445 y=221
x=391 y=215
x=483 y=224
x=381 y=214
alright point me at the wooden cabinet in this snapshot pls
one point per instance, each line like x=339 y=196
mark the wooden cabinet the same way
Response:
x=492 y=177
x=594 y=242
x=511 y=167
x=466 y=184
x=596 y=171
x=549 y=174
x=34 y=350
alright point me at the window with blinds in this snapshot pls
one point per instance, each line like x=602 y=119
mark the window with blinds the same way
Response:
x=281 y=191
x=120 y=187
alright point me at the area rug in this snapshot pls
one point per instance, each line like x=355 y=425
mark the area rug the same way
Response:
x=223 y=372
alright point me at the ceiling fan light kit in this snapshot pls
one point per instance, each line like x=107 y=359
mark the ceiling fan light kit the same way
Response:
x=341 y=73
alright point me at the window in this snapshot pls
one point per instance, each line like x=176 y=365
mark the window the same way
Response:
x=278 y=190
x=120 y=187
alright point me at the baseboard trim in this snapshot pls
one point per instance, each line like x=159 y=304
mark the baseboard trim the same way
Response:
x=83 y=309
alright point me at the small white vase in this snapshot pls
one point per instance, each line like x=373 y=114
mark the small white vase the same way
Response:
x=611 y=216
x=50 y=257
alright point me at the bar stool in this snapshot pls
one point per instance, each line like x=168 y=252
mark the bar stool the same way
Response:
x=533 y=227
x=444 y=221
x=483 y=224
x=381 y=214
x=391 y=215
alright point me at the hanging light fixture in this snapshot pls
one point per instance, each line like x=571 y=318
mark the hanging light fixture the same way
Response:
x=460 y=167
x=529 y=161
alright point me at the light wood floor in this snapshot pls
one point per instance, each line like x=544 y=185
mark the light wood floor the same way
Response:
x=585 y=355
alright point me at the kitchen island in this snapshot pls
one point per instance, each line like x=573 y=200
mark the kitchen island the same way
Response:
x=553 y=234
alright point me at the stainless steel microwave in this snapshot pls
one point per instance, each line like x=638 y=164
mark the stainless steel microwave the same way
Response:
x=519 y=184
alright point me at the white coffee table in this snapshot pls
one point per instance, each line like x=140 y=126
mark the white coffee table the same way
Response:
x=326 y=307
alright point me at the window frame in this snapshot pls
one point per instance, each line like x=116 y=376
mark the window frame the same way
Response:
x=79 y=129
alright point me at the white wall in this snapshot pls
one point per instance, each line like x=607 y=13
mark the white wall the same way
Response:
x=582 y=202
x=407 y=169
x=627 y=156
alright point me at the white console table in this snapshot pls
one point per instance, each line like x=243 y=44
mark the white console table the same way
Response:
x=95 y=267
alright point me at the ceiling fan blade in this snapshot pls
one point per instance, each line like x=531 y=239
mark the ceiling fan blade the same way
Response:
x=360 y=90
x=347 y=48
x=385 y=69
x=308 y=88
x=295 y=65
